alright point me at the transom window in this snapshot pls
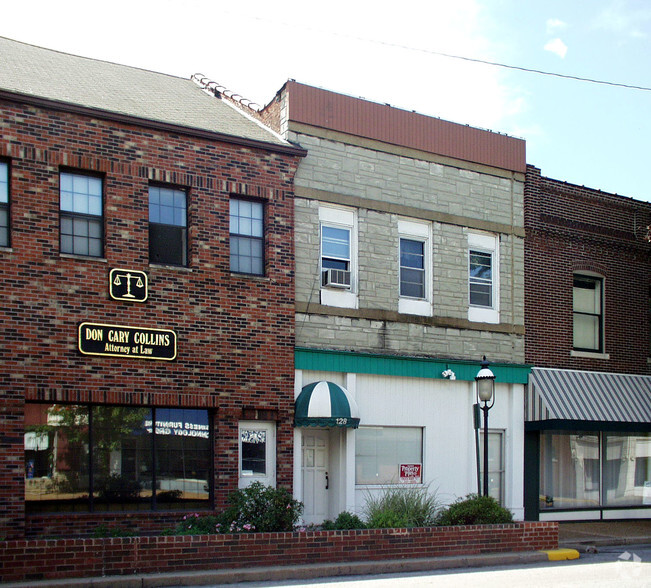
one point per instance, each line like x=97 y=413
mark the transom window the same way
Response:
x=588 y=316
x=481 y=279
x=168 y=233
x=412 y=268
x=81 y=214
x=247 y=236
x=4 y=204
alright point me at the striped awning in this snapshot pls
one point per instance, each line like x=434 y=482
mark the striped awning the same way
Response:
x=588 y=396
x=324 y=404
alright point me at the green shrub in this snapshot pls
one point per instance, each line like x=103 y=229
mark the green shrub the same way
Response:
x=475 y=510
x=345 y=520
x=102 y=531
x=260 y=508
x=404 y=506
x=195 y=524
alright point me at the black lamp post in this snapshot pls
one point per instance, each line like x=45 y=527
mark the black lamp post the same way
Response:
x=485 y=379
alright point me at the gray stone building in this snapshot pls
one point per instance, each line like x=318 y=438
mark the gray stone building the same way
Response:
x=409 y=238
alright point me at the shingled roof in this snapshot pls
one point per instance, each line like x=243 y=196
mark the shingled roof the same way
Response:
x=38 y=73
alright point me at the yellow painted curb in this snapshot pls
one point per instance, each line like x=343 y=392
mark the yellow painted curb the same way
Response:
x=561 y=554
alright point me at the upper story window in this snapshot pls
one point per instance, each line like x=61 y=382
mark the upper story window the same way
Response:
x=82 y=221
x=338 y=258
x=483 y=278
x=168 y=228
x=415 y=267
x=588 y=314
x=247 y=236
x=4 y=204
x=412 y=268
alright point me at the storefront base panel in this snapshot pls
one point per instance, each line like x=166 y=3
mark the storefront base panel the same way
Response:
x=26 y=560
x=597 y=515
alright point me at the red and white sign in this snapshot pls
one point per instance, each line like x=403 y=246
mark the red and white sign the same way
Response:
x=411 y=473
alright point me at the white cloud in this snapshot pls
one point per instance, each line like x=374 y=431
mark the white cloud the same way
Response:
x=557 y=47
x=554 y=25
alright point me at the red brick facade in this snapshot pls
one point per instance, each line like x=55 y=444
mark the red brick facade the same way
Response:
x=142 y=555
x=235 y=332
x=576 y=229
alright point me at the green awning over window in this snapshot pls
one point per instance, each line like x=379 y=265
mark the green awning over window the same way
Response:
x=324 y=404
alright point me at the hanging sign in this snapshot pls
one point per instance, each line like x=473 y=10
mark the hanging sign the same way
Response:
x=121 y=341
x=128 y=285
x=410 y=473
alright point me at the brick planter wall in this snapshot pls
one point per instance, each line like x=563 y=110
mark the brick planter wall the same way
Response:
x=68 y=558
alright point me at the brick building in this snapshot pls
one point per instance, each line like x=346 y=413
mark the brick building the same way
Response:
x=148 y=309
x=409 y=268
x=588 y=316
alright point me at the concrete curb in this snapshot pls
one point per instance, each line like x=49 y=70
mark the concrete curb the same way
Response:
x=301 y=572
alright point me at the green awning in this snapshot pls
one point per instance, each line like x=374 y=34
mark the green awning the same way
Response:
x=324 y=404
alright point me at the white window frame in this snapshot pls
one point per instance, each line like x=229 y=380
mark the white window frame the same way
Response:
x=486 y=244
x=500 y=472
x=417 y=231
x=600 y=351
x=269 y=476
x=340 y=218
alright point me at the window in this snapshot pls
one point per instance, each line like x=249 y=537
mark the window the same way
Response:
x=81 y=214
x=483 y=278
x=495 y=463
x=168 y=233
x=337 y=265
x=581 y=469
x=247 y=237
x=412 y=268
x=81 y=457
x=379 y=451
x=4 y=204
x=414 y=263
x=588 y=318
x=257 y=445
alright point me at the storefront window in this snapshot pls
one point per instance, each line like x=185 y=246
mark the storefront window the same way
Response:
x=627 y=469
x=134 y=466
x=587 y=470
x=381 y=450
x=568 y=478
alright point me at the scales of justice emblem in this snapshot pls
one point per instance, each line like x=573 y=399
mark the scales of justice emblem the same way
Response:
x=129 y=285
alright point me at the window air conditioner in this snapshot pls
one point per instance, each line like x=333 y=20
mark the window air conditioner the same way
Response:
x=335 y=278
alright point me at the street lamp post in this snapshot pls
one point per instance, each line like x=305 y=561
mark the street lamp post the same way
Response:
x=485 y=379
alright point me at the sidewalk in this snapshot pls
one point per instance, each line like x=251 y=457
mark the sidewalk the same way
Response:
x=582 y=537
x=588 y=535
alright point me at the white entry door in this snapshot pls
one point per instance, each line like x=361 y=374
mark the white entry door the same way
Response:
x=315 y=475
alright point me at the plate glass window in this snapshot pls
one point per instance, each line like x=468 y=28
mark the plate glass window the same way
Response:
x=4 y=204
x=481 y=279
x=412 y=268
x=81 y=214
x=247 y=237
x=588 y=313
x=168 y=232
x=381 y=450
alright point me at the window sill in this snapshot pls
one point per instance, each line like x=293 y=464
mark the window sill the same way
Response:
x=338 y=298
x=83 y=257
x=478 y=314
x=182 y=268
x=589 y=354
x=415 y=306
x=7 y=249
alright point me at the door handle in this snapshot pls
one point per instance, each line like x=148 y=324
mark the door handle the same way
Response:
x=327 y=481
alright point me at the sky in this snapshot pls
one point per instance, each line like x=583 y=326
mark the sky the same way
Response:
x=400 y=53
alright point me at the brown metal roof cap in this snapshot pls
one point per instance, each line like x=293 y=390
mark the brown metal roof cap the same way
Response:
x=381 y=122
